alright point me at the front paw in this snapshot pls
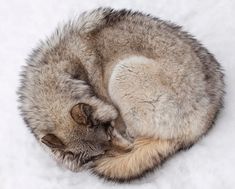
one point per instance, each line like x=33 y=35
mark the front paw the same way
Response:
x=105 y=113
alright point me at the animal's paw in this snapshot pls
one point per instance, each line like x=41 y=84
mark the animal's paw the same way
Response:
x=105 y=113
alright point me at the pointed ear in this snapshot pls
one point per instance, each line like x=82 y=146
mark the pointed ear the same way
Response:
x=52 y=141
x=81 y=112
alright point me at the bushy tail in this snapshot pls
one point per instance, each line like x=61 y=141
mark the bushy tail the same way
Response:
x=146 y=154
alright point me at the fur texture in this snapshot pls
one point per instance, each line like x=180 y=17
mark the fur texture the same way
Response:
x=166 y=87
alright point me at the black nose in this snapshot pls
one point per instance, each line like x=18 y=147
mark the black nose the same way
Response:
x=106 y=125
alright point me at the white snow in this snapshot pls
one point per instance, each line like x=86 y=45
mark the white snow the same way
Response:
x=24 y=165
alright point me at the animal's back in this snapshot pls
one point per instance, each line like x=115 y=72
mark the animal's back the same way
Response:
x=125 y=33
x=184 y=79
x=165 y=84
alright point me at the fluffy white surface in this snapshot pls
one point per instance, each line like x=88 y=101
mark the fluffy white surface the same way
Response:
x=23 y=164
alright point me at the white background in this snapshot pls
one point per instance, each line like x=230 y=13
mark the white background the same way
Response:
x=24 y=165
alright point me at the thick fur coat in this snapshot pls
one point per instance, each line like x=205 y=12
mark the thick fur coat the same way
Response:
x=146 y=74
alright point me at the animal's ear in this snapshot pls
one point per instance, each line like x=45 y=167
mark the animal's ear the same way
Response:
x=81 y=112
x=52 y=141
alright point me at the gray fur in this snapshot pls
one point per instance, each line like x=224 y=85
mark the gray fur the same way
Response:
x=90 y=60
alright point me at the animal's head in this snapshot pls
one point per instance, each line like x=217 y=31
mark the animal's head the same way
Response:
x=83 y=140
x=54 y=105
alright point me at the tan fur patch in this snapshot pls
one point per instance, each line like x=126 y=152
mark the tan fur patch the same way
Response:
x=145 y=154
